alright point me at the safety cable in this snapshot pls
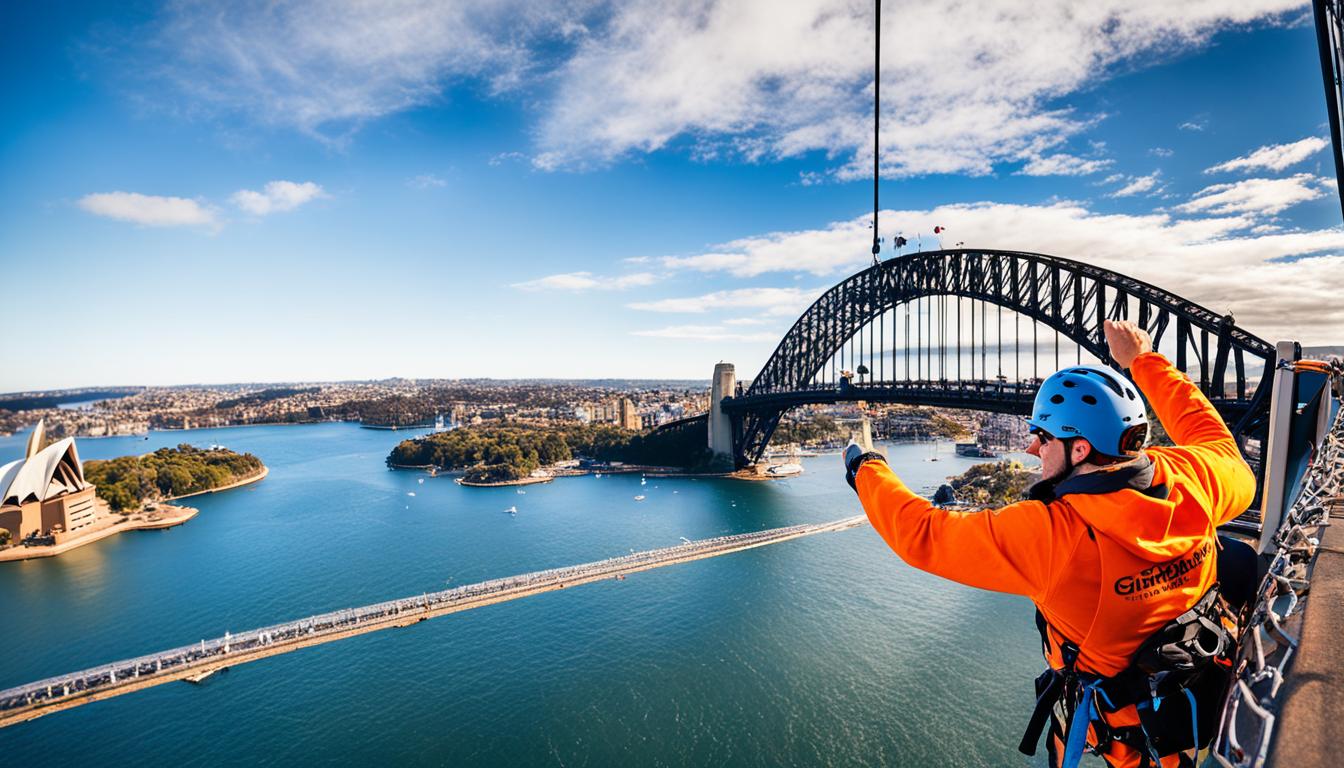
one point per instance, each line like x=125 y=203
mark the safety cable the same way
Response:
x=877 y=90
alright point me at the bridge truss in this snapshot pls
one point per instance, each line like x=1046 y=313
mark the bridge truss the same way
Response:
x=929 y=328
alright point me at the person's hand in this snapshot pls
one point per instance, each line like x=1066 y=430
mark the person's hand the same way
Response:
x=1126 y=341
x=852 y=452
x=854 y=457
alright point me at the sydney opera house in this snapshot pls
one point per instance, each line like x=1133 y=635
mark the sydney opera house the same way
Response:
x=45 y=494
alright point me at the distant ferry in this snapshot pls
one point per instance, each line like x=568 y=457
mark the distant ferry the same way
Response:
x=975 y=451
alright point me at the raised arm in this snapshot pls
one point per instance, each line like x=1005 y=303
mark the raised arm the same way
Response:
x=1204 y=442
x=1202 y=438
x=1005 y=550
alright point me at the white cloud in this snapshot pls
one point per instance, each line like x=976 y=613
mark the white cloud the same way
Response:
x=426 y=181
x=1161 y=152
x=1139 y=185
x=773 y=302
x=507 y=157
x=1063 y=165
x=149 y=210
x=1194 y=125
x=1280 y=284
x=326 y=66
x=794 y=85
x=756 y=79
x=585 y=281
x=277 y=196
x=1275 y=157
x=842 y=245
x=1262 y=196
x=705 y=333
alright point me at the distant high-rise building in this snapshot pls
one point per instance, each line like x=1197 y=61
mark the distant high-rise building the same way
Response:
x=627 y=417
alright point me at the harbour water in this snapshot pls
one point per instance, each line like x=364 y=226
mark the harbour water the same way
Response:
x=821 y=651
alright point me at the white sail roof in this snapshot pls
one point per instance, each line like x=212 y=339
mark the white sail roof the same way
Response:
x=50 y=472
x=7 y=473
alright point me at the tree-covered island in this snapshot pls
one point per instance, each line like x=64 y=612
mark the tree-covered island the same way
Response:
x=994 y=485
x=502 y=454
x=129 y=482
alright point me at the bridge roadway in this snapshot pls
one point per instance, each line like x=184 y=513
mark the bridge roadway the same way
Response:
x=194 y=662
x=993 y=395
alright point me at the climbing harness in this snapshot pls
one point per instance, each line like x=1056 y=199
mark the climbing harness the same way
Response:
x=1181 y=666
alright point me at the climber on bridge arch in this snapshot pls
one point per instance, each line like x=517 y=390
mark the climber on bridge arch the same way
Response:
x=1116 y=546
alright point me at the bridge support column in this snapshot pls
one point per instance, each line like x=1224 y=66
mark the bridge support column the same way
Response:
x=722 y=385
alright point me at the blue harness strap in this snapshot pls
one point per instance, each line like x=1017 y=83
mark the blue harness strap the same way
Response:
x=1194 y=718
x=1082 y=718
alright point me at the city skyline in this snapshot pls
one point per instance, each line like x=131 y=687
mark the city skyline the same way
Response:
x=267 y=193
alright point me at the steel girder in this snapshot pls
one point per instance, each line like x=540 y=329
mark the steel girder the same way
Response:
x=1068 y=296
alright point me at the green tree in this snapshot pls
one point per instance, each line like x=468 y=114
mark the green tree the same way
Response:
x=128 y=482
x=994 y=484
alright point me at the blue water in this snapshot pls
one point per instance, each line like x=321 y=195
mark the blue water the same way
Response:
x=822 y=651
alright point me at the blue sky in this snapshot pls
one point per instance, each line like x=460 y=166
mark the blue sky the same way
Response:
x=254 y=191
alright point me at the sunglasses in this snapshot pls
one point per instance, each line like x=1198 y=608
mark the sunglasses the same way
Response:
x=1041 y=435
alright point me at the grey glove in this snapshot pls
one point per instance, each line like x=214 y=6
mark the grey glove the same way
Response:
x=854 y=457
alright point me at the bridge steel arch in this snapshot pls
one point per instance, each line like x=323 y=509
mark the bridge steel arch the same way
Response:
x=1068 y=296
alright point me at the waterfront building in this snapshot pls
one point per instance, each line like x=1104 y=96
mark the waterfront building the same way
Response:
x=626 y=415
x=45 y=493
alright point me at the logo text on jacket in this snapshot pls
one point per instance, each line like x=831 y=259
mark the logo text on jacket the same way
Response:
x=1160 y=578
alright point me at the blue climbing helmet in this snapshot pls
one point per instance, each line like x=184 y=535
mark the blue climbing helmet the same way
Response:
x=1094 y=402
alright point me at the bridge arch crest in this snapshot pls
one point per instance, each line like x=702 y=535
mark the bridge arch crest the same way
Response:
x=1067 y=296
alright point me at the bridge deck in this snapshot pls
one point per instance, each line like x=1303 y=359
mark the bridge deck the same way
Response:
x=43 y=697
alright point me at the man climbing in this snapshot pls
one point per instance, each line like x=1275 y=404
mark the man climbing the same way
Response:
x=1116 y=547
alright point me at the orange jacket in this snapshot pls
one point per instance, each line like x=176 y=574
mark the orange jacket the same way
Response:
x=1106 y=570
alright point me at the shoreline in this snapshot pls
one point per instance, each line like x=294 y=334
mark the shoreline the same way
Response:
x=140 y=521
x=163 y=516
x=248 y=480
x=647 y=471
x=206 y=427
x=505 y=483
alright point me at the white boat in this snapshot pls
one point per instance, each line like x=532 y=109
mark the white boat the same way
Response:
x=784 y=470
x=639 y=497
x=643 y=481
x=512 y=510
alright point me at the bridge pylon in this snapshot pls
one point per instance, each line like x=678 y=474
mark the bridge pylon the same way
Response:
x=722 y=385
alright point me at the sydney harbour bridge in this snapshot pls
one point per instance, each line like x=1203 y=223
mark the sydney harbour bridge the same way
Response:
x=979 y=329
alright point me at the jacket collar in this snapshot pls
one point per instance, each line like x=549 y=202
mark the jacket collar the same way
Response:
x=1136 y=475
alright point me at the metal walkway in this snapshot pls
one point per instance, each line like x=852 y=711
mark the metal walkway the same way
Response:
x=196 y=661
